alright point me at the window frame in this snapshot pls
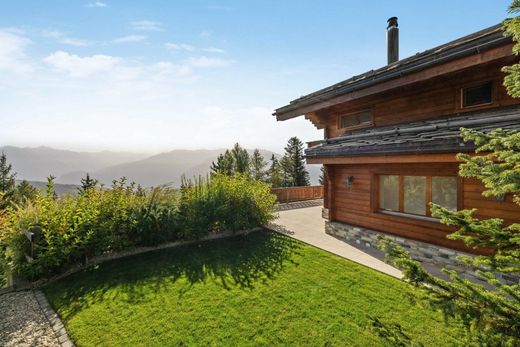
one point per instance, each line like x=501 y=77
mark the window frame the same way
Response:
x=473 y=85
x=358 y=125
x=375 y=196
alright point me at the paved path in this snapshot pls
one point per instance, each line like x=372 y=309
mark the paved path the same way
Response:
x=307 y=225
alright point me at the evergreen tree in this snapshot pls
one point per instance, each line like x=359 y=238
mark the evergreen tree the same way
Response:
x=293 y=164
x=275 y=174
x=241 y=159
x=491 y=315
x=258 y=166
x=7 y=181
x=25 y=192
x=321 y=179
x=225 y=164
x=49 y=188
x=87 y=184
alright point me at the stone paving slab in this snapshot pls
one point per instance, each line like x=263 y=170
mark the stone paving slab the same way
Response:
x=23 y=323
x=307 y=225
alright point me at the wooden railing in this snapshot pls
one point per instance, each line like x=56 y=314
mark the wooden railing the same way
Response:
x=291 y=194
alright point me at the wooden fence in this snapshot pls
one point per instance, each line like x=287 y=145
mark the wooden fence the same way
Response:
x=291 y=194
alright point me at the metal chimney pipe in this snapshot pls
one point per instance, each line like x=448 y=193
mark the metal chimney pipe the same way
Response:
x=392 y=40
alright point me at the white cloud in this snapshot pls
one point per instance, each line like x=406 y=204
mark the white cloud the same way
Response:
x=146 y=25
x=12 y=51
x=98 y=4
x=179 y=47
x=205 y=62
x=205 y=33
x=77 y=66
x=130 y=38
x=214 y=50
x=63 y=39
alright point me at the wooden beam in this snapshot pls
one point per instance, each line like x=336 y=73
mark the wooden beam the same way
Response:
x=388 y=159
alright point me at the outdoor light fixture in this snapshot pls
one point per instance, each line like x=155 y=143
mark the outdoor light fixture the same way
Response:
x=348 y=181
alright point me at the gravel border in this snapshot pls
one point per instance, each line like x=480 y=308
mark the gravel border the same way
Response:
x=54 y=320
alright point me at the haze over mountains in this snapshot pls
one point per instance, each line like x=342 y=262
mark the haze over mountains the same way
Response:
x=36 y=164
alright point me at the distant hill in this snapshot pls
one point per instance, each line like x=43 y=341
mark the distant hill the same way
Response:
x=60 y=189
x=35 y=164
x=164 y=168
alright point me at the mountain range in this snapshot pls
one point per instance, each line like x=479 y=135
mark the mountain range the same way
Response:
x=36 y=164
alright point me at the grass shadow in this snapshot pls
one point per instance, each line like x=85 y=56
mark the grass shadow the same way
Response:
x=240 y=261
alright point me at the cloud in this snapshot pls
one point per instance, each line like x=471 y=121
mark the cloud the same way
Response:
x=205 y=33
x=130 y=38
x=98 y=4
x=179 y=47
x=214 y=50
x=63 y=39
x=206 y=62
x=146 y=25
x=77 y=66
x=12 y=51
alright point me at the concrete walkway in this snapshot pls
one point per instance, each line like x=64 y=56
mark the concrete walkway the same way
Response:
x=307 y=225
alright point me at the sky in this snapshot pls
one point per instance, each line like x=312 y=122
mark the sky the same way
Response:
x=153 y=76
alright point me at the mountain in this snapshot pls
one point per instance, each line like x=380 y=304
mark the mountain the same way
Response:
x=36 y=164
x=60 y=189
x=165 y=168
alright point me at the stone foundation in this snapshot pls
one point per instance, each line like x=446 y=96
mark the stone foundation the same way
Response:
x=325 y=213
x=426 y=253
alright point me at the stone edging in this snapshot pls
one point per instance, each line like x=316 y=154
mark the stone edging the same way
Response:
x=122 y=254
x=54 y=320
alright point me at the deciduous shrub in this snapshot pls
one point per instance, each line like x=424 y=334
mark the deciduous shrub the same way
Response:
x=77 y=227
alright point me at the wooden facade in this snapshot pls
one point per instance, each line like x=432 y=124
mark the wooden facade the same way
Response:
x=351 y=181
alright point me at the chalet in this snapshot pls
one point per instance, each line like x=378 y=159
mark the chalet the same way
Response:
x=391 y=137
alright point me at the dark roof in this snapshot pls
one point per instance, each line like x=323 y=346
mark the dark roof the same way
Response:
x=464 y=46
x=439 y=135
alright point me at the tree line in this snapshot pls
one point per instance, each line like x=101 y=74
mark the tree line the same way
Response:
x=288 y=171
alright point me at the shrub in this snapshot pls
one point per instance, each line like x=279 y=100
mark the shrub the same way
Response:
x=224 y=203
x=77 y=227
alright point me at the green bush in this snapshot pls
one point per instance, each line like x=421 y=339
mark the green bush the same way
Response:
x=224 y=203
x=77 y=227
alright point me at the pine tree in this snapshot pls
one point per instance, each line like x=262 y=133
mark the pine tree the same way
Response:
x=7 y=181
x=241 y=159
x=225 y=164
x=258 y=166
x=293 y=164
x=87 y=184
x=274 y=173
x=25 y=192
x=321 y=179
x=491 y=315
x=49 y=188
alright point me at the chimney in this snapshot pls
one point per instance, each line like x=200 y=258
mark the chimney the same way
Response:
x=392 y=40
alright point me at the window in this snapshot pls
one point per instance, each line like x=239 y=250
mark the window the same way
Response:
x=356 y=120
x=412 y=194
x=477 y=95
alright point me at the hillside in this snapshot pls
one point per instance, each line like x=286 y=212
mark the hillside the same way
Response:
x=35 y=164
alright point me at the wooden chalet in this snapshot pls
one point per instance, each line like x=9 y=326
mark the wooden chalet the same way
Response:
x=391 y=137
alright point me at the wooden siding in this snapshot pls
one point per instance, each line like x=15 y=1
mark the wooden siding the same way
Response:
x=356 y=205
x=427 y=99
x=291 y=194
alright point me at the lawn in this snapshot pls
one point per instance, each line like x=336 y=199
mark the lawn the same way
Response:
x=263 y=289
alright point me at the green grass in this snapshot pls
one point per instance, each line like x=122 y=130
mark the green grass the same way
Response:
x=261 y=289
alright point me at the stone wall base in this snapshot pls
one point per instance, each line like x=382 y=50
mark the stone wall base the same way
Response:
x=325 y=213
x=429 y=254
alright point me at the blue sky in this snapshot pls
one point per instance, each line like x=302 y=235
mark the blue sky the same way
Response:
x=153 y=75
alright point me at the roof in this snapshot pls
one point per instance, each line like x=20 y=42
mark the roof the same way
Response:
x=462 y=47
x=439 y=135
